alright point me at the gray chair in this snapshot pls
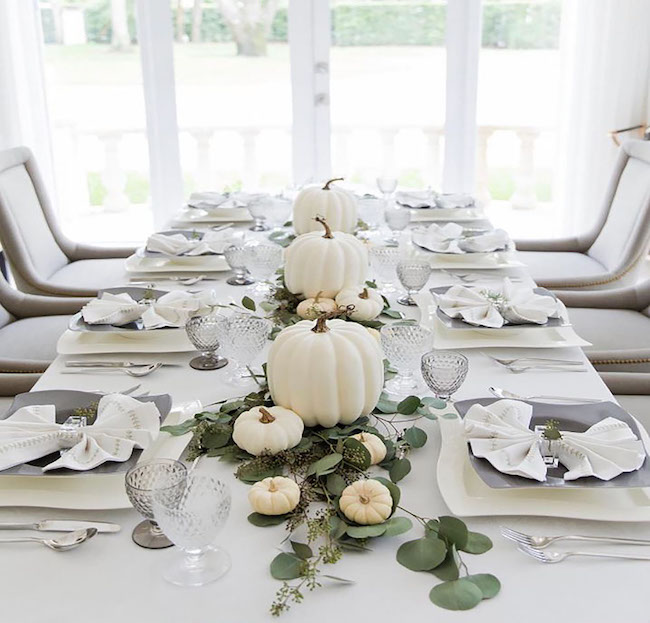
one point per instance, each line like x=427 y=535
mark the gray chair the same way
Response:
x=30 y=326
x=632 y=391
x=611 y=253
x=42 y=259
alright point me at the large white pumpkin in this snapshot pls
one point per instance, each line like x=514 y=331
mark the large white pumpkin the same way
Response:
x=337 y=205
x=327 y=372
x=324 y=263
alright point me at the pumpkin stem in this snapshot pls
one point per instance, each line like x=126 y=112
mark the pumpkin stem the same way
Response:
x=328 y=230
x=321 y=325
x=334 y=179
x=364 y=294
x=267 y=417
x=317 y=297
x=272 y=487
x=364 y=499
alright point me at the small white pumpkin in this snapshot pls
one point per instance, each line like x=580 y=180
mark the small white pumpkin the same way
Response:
x=271 y=430
x=366 y=502
x=276 y=495
x=375 y=334
x=328 y=372
x=310 y=309
x=367 y=302
x=324 y=263
x=375 y=446
x=337 y=205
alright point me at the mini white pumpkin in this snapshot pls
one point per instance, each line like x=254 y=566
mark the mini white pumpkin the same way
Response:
x=276 y=495
x=366 y=502
x=271 y=430
x=337 y=205
x=310 y=309
x=367 y=302
x=375 y=334
x=327 y=372
x=324 y=263
x=375 y=446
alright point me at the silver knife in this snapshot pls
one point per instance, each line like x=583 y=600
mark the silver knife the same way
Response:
x=61 y=525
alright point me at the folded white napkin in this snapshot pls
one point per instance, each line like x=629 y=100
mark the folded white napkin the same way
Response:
x=416 y=198
x=175 y=308
x=122 y=424
x=210 y=200
x=115 y=309
x=454 y=200
x=495 y=240
x=212 y=242
x=449 y=239
x=500 y=433
x=504 y=303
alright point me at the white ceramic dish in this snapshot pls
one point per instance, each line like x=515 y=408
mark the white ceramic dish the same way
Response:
x=191 y=216
x=474 y=261
x=137 y=263
x=158 y=341
x=421 y=215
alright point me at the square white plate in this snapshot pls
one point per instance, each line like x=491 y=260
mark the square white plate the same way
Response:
x=467 y=495
x=421 y=215
x=191 y=216
x=158 y=341
x=136 y=263
x=473 y=261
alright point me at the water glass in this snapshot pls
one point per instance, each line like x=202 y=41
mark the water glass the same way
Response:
x=278 y=211
x=397 y=220
x=413 y=275
x=387 y=186
x=235 y=256
x=370 y=212
x=257 y=208
x=204 y=331
x=192 y=522
x=165 y=475
x=444 y=372
x=244 y=339
x=262 y=260
x=383 y=261
x=404 y=342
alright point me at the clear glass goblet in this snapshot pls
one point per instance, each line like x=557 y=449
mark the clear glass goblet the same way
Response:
x=235 y=256
x=413 y=275
x=204 y=332
x=398 y=220
x=444 y=372
x=370 y=210
x=387 y=186
x=404 y=342
x=244 y=340
x=262 y=260
x=192 y=522
x=257 y=208
x=165 y=475
x=278 y=211
x=383 y=261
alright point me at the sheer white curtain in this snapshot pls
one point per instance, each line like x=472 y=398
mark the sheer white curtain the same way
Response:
x=23 y=108
x=606 y=66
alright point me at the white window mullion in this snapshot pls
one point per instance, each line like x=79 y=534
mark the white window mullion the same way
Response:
x=309 y=43
x=155 y=38
x=463 y=43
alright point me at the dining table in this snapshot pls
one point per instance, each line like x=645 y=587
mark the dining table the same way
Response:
x=111 y=579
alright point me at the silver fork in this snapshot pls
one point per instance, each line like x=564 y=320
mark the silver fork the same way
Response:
x=535 y=360
x=540 y=542
x=519 y=369
x=553 y=557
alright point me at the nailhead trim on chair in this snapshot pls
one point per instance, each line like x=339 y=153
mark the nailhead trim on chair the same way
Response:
x=603 y=362
x=603 y=281
x=23 y=371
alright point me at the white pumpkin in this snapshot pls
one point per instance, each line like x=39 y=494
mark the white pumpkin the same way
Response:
x=375 y=334
x=277 y=495
x=337 y=205
x=375 y=446
x=324 y=263
x=310 y=309
x=271 y=430
x=327 y=372
x=367 y=302
x=366 y=502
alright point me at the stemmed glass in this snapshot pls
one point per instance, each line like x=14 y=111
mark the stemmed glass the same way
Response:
x=398 y=220
x=444 y=372
x=235 y=256
x=387 y=186
x=383 y=261
x=203 y=332
x=262 y=260
x=244 y=339
x=404 y=342
x=192 y=521
x=165 y=475
x=413 y=275
x=258 y=212
x=278 y=212
x=370 y=212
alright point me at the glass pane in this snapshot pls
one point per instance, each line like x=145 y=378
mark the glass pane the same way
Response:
x=96 y=108
x=519 y=75
x=233 y=93
x=388 y=90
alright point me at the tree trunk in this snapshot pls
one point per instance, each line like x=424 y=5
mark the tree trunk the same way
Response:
x=180 y=22
x=197 y=18
x=57 y=20
x=120 y=39
x=250 y=22
x=251 y=41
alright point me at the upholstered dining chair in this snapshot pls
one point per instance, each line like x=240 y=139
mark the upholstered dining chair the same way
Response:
x=610 y=254
x=632 y=393
x=42 y=259
x=30 y=326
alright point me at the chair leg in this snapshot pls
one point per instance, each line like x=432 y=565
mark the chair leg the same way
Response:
x=3 y=266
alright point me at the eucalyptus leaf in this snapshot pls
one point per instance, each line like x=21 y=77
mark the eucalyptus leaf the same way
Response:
x=395 y=492
x=409 y=405
x=337 y=527
x=212 y=439
x=356 y=453
x=488 y=584
x=180 y=429
x=268 y=306
x=399 y=469
x=421 y=554
x=249 y=303
x=448 y=568
x=371 y=284
x=264 y=521
x=386 y=406
x=477 y=543
x=302 y=550
x=450 y=416
x=436 y=403
x=456 y=595
x=431 y=528
x=365 y=532
x=252 y=473
x=325 y=465
x=397 y=525
x=287 y=567
x=453 y=530
x=335 y=484
x=415 y=437
x=393 y=313
x=353 y=545
x=337 y=579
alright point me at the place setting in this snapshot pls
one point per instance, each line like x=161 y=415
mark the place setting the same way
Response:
x=428 y=205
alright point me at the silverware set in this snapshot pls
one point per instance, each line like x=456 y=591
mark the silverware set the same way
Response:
x=75 y=532
x=504 y=393
x=533 y=546
x=523 y=364
x=184 y=281
x=131 y=368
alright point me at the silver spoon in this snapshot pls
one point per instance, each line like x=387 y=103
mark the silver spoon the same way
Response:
x=69 y=540
x=137 y=370
x=504 y=393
